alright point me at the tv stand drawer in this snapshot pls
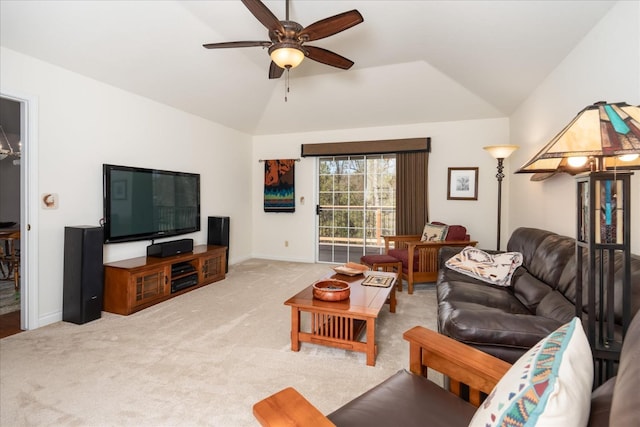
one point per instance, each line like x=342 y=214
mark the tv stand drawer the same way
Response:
x=133 y=284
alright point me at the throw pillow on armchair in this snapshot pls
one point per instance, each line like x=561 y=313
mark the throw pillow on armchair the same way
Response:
x=455 y=233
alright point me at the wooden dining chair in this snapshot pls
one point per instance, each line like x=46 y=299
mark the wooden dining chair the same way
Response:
x=10 y=257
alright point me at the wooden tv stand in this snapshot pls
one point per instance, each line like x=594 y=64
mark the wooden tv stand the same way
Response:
x=133 y=284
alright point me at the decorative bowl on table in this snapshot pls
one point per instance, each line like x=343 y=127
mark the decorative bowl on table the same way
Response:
x=331 y=290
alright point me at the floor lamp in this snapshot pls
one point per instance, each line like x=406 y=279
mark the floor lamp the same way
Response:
x=500 y=152
x=604 y=141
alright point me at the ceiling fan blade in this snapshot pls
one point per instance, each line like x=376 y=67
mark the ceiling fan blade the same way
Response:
x=264 y=15
x=225 y=45
x=275 y=72
x=327 y=57
x=330 y=26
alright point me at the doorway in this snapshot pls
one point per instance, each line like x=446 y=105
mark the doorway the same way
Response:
x=19 y=112
x=10 y=165
x=356 y=206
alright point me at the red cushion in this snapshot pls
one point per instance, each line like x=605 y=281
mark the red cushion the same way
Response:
x=403 y=255
x=455 y=233
x=377 y=259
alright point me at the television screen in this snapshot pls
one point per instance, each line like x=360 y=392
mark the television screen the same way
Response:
x=142 y=204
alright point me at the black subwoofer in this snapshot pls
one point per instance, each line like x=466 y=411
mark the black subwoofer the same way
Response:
x=83 y=274
x=218 y=234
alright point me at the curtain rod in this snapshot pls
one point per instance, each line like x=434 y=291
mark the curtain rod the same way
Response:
x=262 y=160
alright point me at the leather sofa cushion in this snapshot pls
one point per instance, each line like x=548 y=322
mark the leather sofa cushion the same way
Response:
x=405 y=400
x=550 y=258
x=482 y=295
x=625 y=410
x=528 y=289
x=504 y=334
x=601 y=399
x=555 y=306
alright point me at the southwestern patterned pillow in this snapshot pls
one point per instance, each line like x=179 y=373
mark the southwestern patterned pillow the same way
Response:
x=550 y=385
x=434 y=233
x=495 y=269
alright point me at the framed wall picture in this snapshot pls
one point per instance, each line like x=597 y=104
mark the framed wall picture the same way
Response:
x=462 y=184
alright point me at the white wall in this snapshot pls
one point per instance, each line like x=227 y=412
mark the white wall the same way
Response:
x=454 y=144
x=83 y=124
x=605 y=66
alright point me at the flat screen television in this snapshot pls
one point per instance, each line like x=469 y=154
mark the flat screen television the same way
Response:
x=146 y=204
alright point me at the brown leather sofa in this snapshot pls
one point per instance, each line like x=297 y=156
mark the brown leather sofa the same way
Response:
x=507 y=321
x=410 y=399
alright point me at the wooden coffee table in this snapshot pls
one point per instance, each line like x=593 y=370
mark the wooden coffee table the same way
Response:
x=341 y=323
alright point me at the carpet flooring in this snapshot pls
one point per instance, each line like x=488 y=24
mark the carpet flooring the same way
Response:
x=202 y=359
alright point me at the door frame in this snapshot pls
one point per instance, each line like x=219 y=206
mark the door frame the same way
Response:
x=29 y=203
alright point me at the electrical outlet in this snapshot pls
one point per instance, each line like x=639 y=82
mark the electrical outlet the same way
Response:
x=286 y=243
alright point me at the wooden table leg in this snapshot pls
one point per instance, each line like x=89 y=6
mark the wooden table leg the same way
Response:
x=295 y=329
x=371 y=342
x=392 y=300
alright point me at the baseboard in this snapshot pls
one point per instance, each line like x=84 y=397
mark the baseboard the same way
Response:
x=272 y=258
x=48 y=319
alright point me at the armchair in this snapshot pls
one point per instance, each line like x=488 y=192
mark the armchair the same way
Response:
x=405 y=398
x=420 y=259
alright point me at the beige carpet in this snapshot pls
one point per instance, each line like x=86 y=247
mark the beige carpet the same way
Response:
x=203 y=358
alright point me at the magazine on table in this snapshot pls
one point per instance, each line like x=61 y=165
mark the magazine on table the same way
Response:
x=380 y=279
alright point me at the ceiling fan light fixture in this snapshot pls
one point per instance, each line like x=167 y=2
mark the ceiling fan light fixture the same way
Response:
x=286 y=55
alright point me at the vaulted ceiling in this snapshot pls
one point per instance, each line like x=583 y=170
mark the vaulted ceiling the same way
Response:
x=415 y=61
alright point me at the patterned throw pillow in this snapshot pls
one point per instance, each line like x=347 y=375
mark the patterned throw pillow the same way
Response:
x=495 y=269
x=434 y=233
x=550 y=385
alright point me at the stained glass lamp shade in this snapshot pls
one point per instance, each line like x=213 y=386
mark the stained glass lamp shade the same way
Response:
x=601 y=137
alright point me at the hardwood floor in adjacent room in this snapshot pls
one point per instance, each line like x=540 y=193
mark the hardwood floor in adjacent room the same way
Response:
x=10 y=324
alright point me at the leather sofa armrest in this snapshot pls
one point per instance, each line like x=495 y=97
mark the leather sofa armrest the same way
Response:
x=289 y=408
x=459 y=362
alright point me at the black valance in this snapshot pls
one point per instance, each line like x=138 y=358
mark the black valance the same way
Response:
x=410 y=145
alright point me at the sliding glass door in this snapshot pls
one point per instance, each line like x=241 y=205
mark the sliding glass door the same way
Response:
x=357 y=197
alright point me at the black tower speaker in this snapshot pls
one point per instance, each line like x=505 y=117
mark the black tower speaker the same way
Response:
x=83 y=274
x=218 y=234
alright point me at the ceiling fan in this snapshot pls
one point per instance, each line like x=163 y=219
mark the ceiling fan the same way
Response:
x=287 y=46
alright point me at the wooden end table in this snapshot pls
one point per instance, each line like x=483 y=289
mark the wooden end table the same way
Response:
x=340 y=323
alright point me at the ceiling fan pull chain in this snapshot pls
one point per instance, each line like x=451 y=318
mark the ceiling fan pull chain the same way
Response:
x=286 y=85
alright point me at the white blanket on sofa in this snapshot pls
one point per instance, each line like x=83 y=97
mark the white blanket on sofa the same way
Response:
x=495 y=269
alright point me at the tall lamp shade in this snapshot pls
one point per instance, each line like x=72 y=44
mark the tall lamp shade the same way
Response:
x=500 y=152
